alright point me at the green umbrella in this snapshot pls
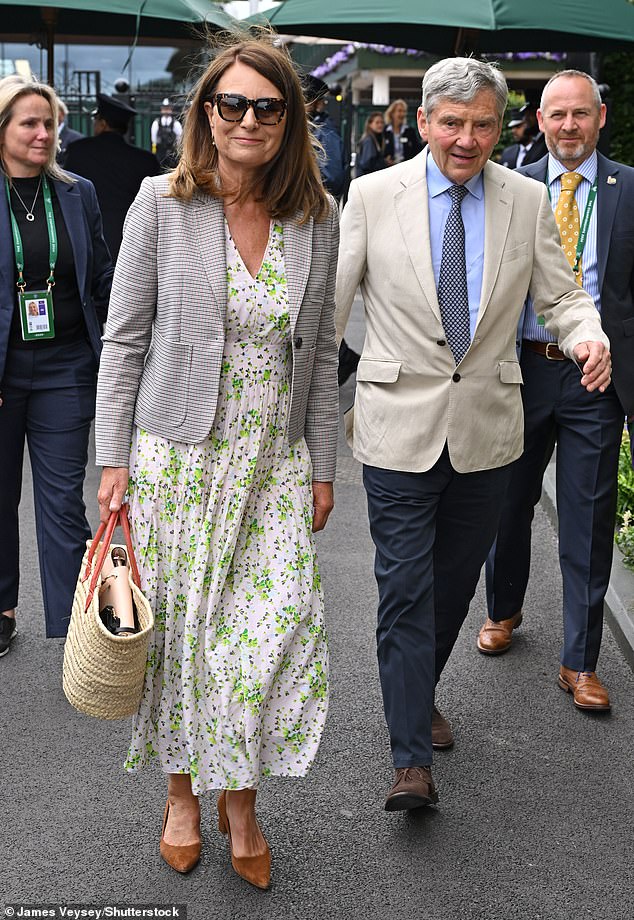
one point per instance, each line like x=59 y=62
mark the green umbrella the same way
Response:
x=82 y=21
x=455 y=26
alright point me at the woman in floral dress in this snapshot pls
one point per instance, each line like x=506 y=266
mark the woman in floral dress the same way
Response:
x=217 y=413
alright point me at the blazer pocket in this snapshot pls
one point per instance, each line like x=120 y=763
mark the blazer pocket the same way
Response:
x=164 y=388
x=510 y=372
x=517 y=252
x=370 y=370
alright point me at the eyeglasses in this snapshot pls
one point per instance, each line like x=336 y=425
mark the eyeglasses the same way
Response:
x=233 y=107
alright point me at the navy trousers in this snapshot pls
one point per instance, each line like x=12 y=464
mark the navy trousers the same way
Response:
x=432 y=532
x=587 y=429
x=48 y=399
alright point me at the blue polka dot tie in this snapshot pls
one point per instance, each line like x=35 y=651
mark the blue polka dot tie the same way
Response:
x=453 y=294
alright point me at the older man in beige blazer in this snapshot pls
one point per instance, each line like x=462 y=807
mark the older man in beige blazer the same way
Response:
x=445 y=248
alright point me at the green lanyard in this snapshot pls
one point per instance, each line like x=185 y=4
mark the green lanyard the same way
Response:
x=585 y=221
x=52 y=236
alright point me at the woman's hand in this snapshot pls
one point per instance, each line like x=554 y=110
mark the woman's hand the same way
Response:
x=323 y=503
x=112 y=489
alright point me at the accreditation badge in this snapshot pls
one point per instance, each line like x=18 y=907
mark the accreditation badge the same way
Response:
x=36 y=315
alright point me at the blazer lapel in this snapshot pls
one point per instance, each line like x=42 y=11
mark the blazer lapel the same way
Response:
x=608 y=194
x=208 y=229
x=7 y=257
x=298 y=243
x=70 y=203
x=498 y=207
x=412 y=212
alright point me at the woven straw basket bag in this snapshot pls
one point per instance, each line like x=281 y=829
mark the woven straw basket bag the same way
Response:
x=103 y=673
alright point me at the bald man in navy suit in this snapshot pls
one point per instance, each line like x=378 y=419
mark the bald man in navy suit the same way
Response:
x=586 y=427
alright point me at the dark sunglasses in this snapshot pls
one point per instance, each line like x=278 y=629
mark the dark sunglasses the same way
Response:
x=233 y=107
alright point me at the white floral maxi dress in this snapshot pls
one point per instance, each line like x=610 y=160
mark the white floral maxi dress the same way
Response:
x=236 y=685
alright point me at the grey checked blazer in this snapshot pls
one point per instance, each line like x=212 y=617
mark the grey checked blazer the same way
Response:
x=164 y=338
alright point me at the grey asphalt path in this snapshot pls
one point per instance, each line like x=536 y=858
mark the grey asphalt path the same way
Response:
x=536 y=813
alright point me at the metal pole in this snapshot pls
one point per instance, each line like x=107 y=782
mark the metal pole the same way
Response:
x=49 y=17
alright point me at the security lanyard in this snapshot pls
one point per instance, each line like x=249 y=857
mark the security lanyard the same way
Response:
x=585 y=222
x=52 y=236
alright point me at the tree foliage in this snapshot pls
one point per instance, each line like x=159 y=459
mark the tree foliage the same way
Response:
x=618 y=73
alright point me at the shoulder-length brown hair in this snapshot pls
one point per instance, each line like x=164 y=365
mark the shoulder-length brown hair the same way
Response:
x=291 y=181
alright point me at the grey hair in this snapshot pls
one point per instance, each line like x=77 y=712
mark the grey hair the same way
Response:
x=63 y=108
x=460 y=79
x=596 y=94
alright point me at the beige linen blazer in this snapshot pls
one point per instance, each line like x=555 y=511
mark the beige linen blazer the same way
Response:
x=410 y=397
x=165 y=333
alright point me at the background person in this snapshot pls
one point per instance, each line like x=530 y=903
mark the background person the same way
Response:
x=332 y=165
x=66 y=135
x=220 y=368
x=586 y=427
x=513 y=155
x=334 y=174
x=400 y=141
x=371 y=149
x=165 y=134
x=438 y=413
x=115 y=167
x=47 y=385
x=534 y=142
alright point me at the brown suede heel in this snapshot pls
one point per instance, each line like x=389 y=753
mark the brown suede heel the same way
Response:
x=253 y=869
x=183 y=859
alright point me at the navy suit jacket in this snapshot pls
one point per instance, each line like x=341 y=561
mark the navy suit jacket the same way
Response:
x=615 y=244
x=93 y=265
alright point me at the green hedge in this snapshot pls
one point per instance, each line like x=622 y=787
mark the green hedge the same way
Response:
x=625 y=505
x=618 y=72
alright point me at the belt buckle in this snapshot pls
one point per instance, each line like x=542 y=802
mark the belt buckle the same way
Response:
x=550 y=357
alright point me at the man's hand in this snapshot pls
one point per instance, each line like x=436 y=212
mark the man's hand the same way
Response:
x=112 y=489
x=595 y=364
x=323 y=503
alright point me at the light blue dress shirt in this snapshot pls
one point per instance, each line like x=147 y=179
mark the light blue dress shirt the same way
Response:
x=473 y=220
x=589 y=261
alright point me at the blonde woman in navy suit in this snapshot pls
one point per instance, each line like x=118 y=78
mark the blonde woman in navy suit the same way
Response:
x=220 y=369
x=47 y=382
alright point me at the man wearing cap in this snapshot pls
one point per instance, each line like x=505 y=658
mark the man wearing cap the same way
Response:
x=332 y=164
x=535 y=142
x=334 y=173
x=513 y=156
x=165 y=133
x=115 y=167
x=593 y=201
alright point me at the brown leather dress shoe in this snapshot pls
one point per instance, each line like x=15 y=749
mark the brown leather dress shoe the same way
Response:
x=413 y=787
x=495 y=637
x=184 y=858
x=587 y=690
x=253 y=869
x=441 y=733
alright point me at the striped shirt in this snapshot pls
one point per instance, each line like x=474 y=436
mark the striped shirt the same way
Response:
x=589 y=263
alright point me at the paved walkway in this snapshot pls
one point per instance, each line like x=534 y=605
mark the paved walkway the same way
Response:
x=536 y=813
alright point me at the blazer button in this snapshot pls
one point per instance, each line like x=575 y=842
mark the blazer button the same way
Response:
x=298 y=341
x=441 y=342
x=456 y=378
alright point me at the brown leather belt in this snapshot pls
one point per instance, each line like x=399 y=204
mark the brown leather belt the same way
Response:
x=545 y=349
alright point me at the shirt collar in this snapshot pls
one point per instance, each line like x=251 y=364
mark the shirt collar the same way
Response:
x=437 y=182
x=588 y=168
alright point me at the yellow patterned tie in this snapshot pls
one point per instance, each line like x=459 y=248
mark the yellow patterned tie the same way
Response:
x=567 y=217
